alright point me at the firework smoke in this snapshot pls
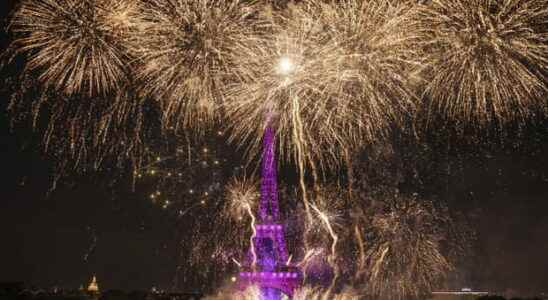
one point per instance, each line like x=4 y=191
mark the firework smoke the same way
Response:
x=304 y=293
x=308 y=293
x=230 y=293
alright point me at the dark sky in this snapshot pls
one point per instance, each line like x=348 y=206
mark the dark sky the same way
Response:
x=44 y=240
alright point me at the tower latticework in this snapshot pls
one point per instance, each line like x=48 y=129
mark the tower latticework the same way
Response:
x=270 y=269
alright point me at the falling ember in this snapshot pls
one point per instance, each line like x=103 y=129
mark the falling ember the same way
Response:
x=236 y=262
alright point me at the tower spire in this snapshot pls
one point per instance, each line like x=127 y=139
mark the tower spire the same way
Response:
x=268 y=208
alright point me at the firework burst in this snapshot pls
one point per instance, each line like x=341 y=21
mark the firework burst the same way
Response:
x=486 y=60
x=83 y=107
x=242 y=198
x=69 y=43
x=329 y=76
x=404 y=253
x=181 y=50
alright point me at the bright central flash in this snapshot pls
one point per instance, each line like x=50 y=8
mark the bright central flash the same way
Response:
x=286 y=66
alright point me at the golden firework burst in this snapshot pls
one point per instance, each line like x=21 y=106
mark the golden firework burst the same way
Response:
x=181 y=50
x=328 y=76
x=486 y=60
x=70 y=45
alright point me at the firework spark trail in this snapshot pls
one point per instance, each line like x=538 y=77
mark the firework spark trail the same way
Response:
x=223 y=230
x=252 y=238
x=331 y=75
x=92 y=246
x=348 y=65
x=320 y=232
x=308 y=256
x=361 y=245
x=300 y=158
x=237 y=263
x=182 y=244
x=335 y=239
x=485 y=60
x=182 y=213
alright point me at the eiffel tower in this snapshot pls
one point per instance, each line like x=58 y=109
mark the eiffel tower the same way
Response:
x=270 y=269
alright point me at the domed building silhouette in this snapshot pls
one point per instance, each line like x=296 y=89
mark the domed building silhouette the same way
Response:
x=93 y=287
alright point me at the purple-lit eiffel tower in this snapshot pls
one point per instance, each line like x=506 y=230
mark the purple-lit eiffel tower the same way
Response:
x=270 y=269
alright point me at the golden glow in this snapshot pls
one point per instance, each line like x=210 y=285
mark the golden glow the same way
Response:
x=285 y=66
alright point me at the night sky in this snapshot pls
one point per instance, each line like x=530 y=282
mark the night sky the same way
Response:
x=46 y=237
